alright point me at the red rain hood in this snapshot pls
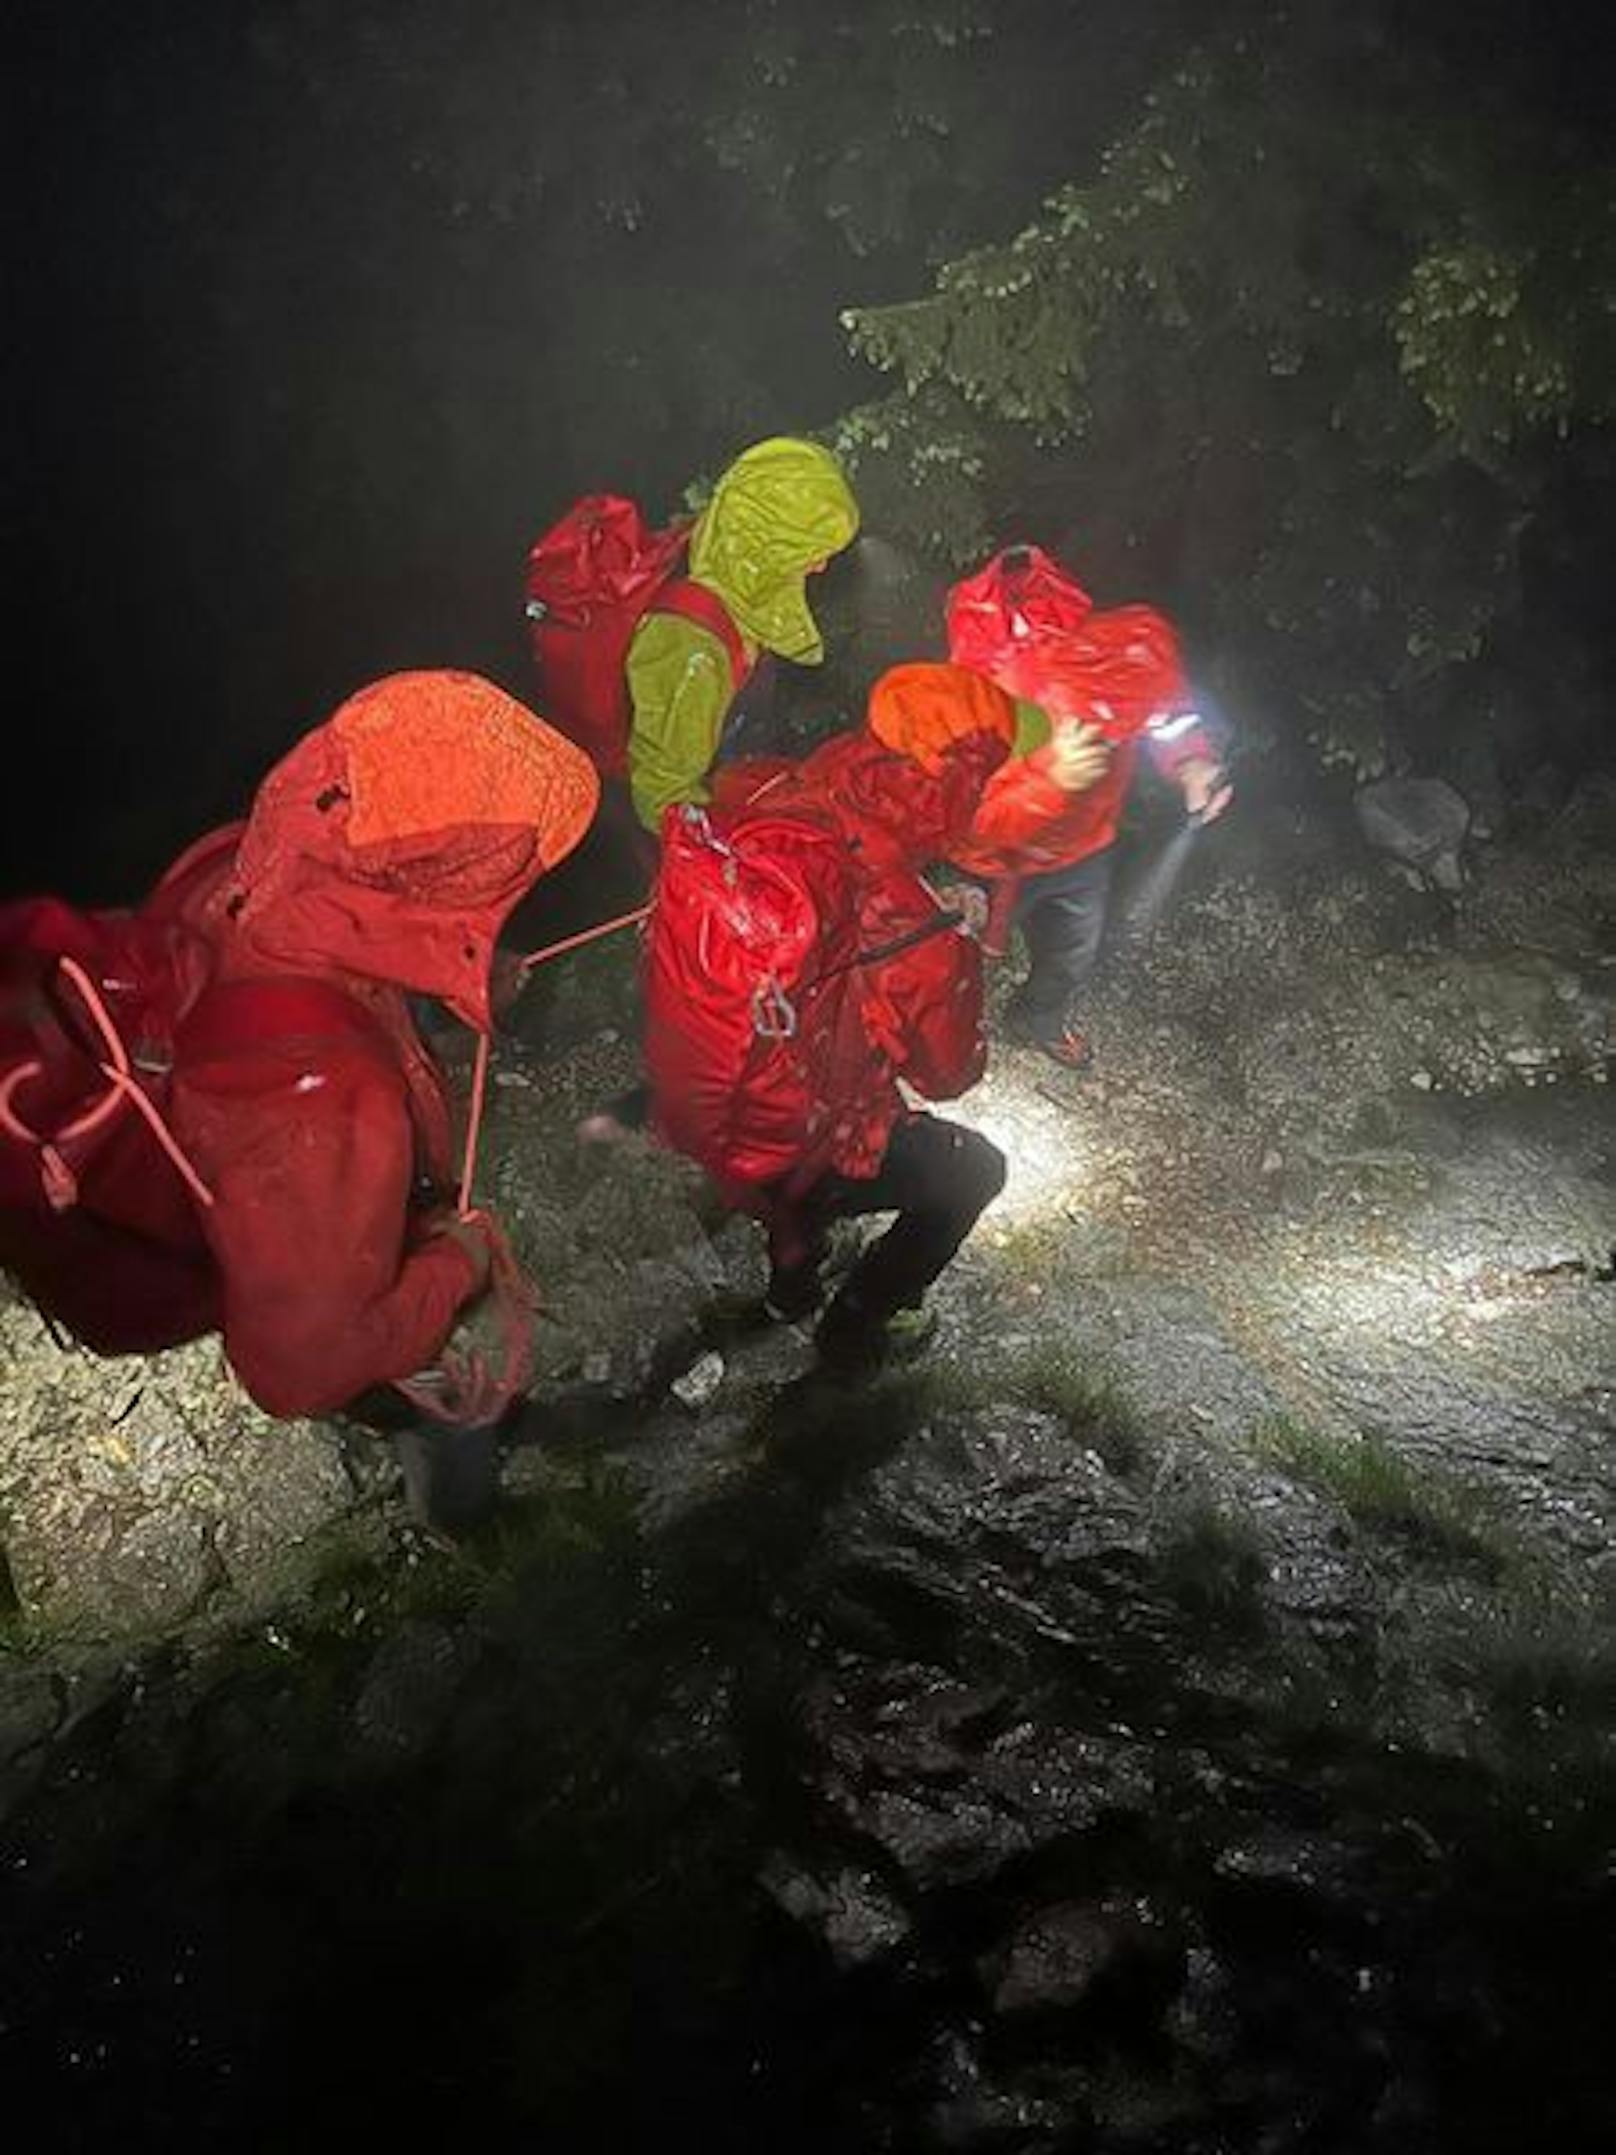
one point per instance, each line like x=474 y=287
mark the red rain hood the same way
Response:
x=1003 y=617
x=393 y=841
x=1118 y=671
x=893 y=810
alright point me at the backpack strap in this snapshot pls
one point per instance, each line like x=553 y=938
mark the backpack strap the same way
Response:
x=57 y=1177
x=691 y=601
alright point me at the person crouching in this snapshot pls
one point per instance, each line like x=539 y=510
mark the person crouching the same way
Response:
x=802 y=981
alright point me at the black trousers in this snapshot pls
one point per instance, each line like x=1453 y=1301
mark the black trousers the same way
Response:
x=1062 y=915
x=936 y=1176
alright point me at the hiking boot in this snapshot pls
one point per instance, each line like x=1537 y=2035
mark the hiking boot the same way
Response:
x=854 y=1342
x=1072 y=1049
x=1069 y=1046
x=451 y=1478
x=794 y=1294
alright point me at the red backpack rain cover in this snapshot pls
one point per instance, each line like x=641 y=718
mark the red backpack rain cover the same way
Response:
x=750 y=973
x=591 y=579
x=1003 y=619
x=95 y=1220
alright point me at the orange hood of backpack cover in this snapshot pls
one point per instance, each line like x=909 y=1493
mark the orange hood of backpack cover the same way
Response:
x=393 y=841
x=933 y=736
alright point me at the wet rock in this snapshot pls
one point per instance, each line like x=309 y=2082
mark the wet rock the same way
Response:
x=998 y=1506
x=1314 y=1571
x=1060 y=1781
x=939 y=1840
x=1288 y=1860
x=1419 y=822
x=1054 y=1958
x=408 y=1689
x=688 y=1462
x=919 y=1766
x=696 y=1385
x=975 y=2111
x=277 y=1488
x=33 y=1703
x=849 y=1909
x=137 y=1487
x=1204 y=2019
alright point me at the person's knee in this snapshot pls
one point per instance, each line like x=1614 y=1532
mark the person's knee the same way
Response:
x=979 y=1170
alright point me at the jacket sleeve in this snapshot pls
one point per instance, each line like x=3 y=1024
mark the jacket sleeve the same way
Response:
x=1173 y=742
x=680 y=689
x=1019 y=803
x=327 y=1286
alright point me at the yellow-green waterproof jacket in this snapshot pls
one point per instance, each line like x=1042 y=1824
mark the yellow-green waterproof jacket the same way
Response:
x=780 y=510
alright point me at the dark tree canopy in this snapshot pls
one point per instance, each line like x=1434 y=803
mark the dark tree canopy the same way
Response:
x=322 y=311
x=1307 y=355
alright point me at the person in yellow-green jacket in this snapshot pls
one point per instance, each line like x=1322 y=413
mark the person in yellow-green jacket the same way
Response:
x=776 y=516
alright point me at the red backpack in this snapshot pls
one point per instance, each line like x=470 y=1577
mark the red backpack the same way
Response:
x=750 y=974
x=100 y=1207
x=591 y=580
x=91 y=1182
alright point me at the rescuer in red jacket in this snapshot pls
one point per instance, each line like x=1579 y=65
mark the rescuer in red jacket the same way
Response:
x=1095 y=687
x=813 y=1126
x=380 y=859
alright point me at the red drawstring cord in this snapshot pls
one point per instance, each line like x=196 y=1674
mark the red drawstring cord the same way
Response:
x=474 y=1128
x=584 y=935
x=61 y=1186
x=479 y=1075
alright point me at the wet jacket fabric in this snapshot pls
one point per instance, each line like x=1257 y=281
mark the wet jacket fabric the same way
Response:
x=381 y=857
x=912 y=1009
x=1120 y=671
x=119 y=1260
x=778 y=511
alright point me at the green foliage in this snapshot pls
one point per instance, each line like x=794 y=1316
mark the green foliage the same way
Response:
x=1484 y=367
x=1056 y=1379
x=919 y=472
x=1310 y=336
x=1387 y=1493
x=1212 y=1565
x=1085 y=1394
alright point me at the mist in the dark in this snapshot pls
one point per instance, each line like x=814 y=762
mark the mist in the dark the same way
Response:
x=317 y=314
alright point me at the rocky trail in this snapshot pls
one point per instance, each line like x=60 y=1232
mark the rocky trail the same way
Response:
x=1175 y=1716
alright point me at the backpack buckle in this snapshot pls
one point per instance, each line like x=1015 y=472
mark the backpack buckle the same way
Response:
x=774 y=1015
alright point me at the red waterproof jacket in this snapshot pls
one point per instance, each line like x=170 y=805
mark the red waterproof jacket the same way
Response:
x=382 y=856
x=1119 y=670
x=914 y=1006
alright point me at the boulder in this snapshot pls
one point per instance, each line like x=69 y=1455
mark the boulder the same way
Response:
x=1420 y=822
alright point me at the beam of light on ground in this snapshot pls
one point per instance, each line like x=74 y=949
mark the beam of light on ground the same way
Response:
x=1043 y=1142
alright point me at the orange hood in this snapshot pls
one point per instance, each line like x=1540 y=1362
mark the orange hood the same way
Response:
x=393 y=841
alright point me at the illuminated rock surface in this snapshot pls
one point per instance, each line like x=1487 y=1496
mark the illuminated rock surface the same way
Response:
x=1176 y=1717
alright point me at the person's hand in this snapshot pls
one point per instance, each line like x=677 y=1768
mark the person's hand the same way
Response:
x=1078 y=756
x=469 y=1234
x=1206 y=789
x=968 y=900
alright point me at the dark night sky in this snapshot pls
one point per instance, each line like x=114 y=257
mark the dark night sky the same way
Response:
x=300 y=356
